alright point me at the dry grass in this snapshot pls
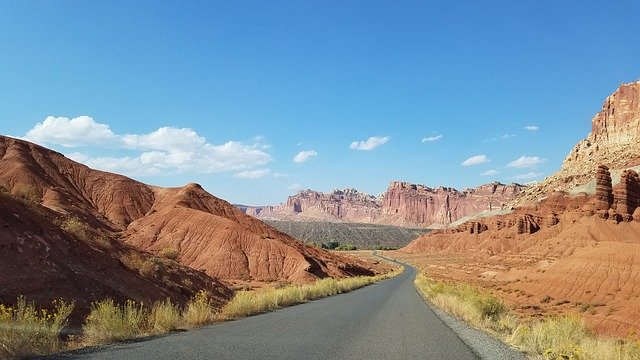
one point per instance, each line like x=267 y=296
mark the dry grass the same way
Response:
x=27 y=331
x=200 y=310
x=108 y=322
x=27 y=193
x=247 y=303
x=552 y=338
x=164 y=317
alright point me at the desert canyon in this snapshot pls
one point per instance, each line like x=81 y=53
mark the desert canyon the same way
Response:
x=70 y=232
x=570 y=243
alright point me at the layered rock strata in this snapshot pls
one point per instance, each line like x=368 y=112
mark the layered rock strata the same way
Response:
x=403 y=204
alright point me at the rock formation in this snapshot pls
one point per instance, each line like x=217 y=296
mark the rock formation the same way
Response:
x=604 y=190
x=403 y=204
x=612 y=142
x=203 y=232
x=409 y=204
x=626 y=194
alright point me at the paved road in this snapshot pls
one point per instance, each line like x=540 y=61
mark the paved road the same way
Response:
x=387 y=320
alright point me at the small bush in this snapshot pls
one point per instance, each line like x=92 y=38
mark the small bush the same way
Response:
x=200 y=310
x=346 y=247
x=26 y=331
x=545 y=299
x=170 y=253
x=108 y=322
x=151 y=267
x=164 y=317
x=76 y=227
x=27 y=193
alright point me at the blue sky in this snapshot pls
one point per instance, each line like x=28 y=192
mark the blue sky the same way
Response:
x=229 y=93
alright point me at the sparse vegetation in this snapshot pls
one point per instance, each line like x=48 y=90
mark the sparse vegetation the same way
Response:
x=553 y=338
x=346 y=247
x=164 y=317
x=362 y=236
x=170 y=253
x=151 y=267
x=108 y=322
x=26 y=192
x=76 y=227
x=200 y=310
x=247 y=303
x=27 y=331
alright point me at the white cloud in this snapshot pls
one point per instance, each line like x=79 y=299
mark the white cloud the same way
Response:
x=531 y=128
x=295 y=186
x=475 y=160
x=304 y=156
x=253 y=174
x=526 y=162
x=490 y=172
x=502 y=137
x=431 y=138
x=167 y=150
x=280 y=175
x=527 y=176
x=80 y=131
x=369 y=144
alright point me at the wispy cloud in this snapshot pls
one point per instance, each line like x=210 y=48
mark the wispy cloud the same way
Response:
x=526 y=162
x=295 y=186
x=502 y=137
x=369 y=144
x=476 y=160
x=253 y=174
x=167 y=150
x=431 y=138
x=490 y=172
x=527 y=176
x=280 y=175
x=531 y=128
x=303 y=156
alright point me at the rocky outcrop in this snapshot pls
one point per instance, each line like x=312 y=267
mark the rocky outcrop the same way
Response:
x=604 y=190
x=614 y=133
x=349 y=205
x=403 y=204
x=612 y=142
x=410 y=204
x=626 y=194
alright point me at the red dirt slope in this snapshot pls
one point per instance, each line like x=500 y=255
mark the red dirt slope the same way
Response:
x=209 y=234
x=43 y=262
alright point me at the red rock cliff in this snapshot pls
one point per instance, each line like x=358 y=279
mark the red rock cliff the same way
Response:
x=410 y=204
x=403 y=204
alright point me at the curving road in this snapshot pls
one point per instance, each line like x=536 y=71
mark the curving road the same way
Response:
x=387 y=320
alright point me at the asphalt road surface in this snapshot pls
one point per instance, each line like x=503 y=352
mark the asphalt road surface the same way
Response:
x=387 y=320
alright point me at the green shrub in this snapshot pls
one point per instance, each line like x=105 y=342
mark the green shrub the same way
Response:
x=346 y=247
